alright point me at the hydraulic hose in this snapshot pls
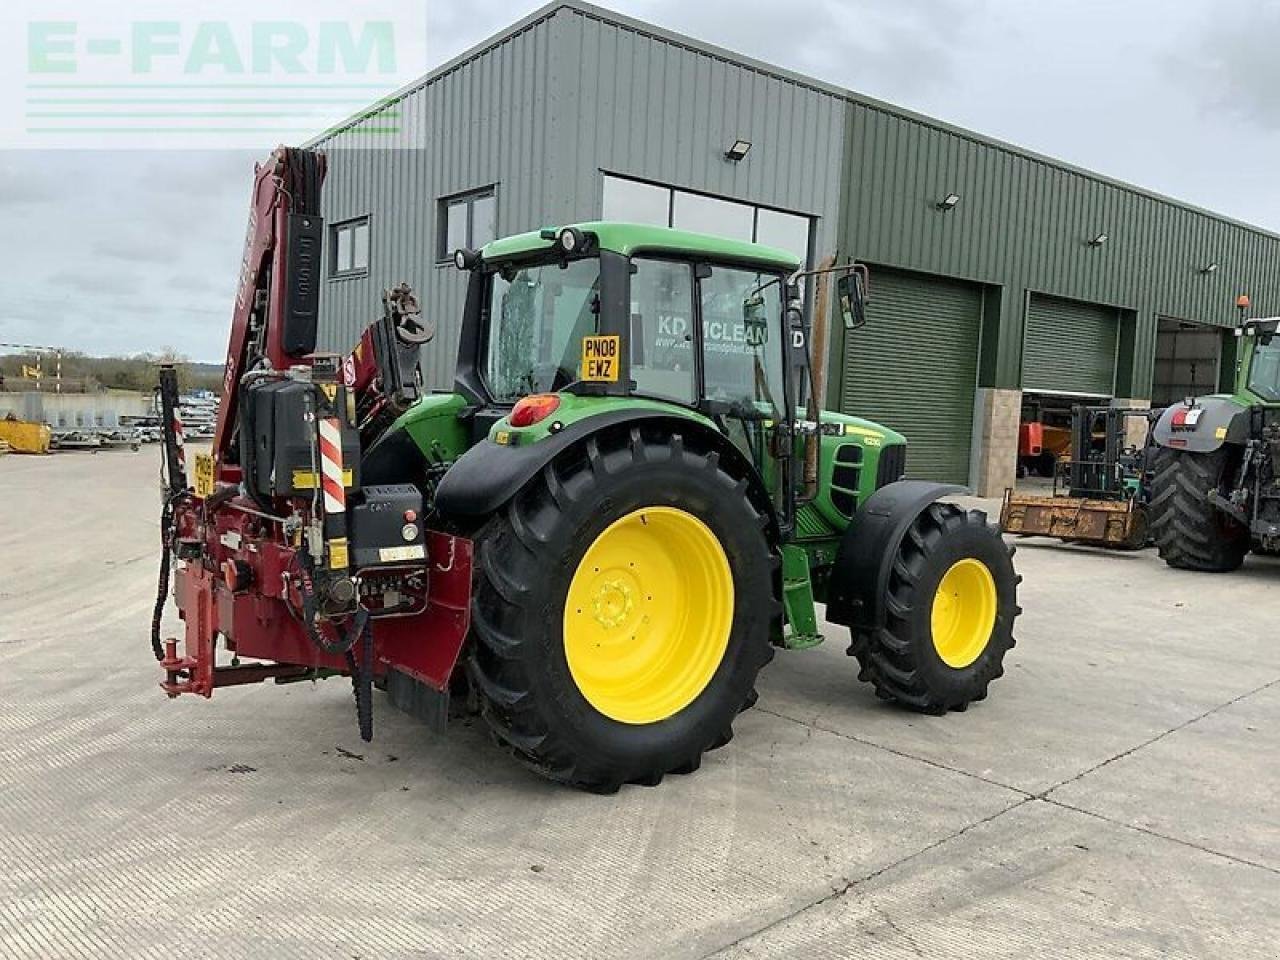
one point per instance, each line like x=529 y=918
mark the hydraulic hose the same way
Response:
x=162 y=590
x=362 y=680
x=348 y=639
x=357 y=632
x=166 y=558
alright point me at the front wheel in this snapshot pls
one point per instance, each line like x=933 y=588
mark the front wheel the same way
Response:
x=950 y=611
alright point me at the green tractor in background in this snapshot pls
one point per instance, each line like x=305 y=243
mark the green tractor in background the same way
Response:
x=1215 y=490
x=657 y=502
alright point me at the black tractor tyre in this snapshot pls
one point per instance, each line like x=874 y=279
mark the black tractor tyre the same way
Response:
x=1190 y=533
x=901 y=659
x=526 y=558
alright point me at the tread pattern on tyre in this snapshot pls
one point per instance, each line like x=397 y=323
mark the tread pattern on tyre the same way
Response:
x=512 y=549
x=893 y=658
x=1189 y=532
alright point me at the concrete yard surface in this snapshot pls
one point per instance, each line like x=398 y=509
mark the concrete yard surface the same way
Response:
x=1115 y=796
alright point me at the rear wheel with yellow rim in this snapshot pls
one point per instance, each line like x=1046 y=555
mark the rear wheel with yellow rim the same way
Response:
x=624 y=602
x=648 y=615
x=950 y=611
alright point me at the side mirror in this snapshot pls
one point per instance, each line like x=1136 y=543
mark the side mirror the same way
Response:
x=851 y=295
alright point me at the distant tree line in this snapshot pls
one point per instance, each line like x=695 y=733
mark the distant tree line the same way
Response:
x=86 y=374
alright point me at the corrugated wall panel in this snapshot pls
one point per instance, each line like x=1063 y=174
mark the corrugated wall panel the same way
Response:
x=541 y=114
x=648 y=106
x=1024 y=223
x=573 y=90
x=481 y=124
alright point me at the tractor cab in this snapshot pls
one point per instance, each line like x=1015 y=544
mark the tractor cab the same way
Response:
x=1263 y=379
x=558 y=320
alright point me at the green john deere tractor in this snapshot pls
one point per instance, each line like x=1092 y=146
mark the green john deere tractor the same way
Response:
x=629 y=500
x=656 y=503
x=1215 y=490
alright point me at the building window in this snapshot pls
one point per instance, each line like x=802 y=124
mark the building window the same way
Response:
x=468 y=220
x=720 y=218
x=630 y=201
x=786 y=231
x=349 y=242
x=634 y=201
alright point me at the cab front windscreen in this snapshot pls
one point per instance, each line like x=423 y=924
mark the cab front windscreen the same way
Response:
x=537 y=317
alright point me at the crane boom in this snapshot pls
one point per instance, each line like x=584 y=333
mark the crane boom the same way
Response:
x=273 y=325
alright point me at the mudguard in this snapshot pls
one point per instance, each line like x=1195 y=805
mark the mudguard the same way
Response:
x=490 y=474
x=860 y=578
x=1221 y=419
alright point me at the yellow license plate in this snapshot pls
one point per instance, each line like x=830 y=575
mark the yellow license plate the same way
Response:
x=204 y=475
x=600 y=358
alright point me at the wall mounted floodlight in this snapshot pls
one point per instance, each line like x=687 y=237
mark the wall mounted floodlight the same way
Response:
x=1210 y=267
x=948 y=202
x=1099 y=240
x=739 y=150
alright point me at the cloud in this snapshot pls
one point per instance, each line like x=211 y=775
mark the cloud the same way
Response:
x=905 y=48
x=1233 y=65
x=132 y=249
x=204 y=286
x=95 y=283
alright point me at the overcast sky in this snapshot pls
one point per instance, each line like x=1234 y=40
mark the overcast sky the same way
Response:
x=124 y=252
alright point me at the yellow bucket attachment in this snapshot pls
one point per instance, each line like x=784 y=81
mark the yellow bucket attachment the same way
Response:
x=1110 y=523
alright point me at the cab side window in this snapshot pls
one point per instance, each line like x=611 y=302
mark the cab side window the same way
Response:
x=742 y=352
x=662 y=362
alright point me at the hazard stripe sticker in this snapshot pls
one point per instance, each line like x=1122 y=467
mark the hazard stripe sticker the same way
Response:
x=331 y=473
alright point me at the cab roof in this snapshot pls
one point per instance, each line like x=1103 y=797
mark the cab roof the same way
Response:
x=628 y=239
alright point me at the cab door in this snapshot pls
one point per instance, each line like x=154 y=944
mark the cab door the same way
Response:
x=743 y=380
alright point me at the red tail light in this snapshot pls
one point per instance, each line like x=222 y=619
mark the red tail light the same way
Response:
x=1186 y=418
x=533 y=409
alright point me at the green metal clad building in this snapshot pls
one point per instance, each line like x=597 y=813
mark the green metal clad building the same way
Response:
x=1001 y=279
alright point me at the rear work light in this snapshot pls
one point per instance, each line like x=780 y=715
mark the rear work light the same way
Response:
x=533 y=409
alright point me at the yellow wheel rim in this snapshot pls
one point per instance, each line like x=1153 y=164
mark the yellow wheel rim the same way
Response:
x=964 y=612
x=648 y=615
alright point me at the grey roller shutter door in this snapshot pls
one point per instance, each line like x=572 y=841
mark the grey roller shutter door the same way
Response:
x=914 y=368
x=1069 y=347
